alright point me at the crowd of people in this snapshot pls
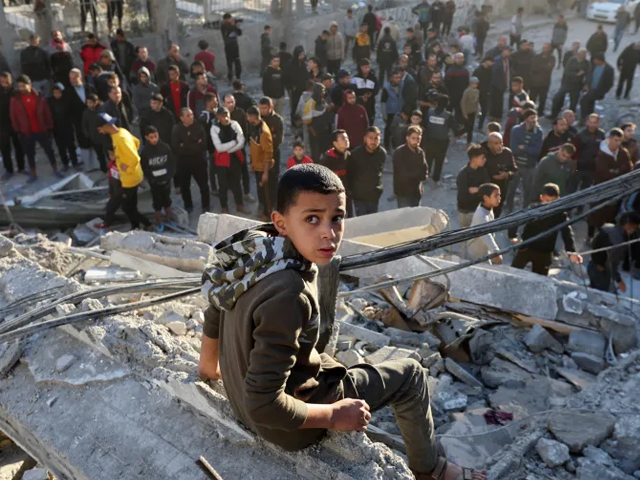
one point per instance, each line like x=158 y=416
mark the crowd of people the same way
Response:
x=433 y=86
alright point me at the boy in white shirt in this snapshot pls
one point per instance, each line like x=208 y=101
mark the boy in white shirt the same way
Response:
x=481 y=246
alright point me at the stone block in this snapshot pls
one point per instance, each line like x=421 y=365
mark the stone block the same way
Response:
x=538 y=339
x=597 y=455
x=177 y=328
x=430 y=360
x=362 y=333
x=500 y=372
x=349 y=358
x=588 y=363
x=627 y=436
x=593 y=343
x=386 y=354
x=578 y=378
x=10 y=353
x=64 y=362
x=461 y=374
x=577 y=430
x=552 y=453
x=35 y=474
x=590 y=470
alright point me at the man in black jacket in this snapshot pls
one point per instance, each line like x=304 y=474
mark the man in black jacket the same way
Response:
x=124 y=51
x=7 y=134
x=208 y=119
x=587 y=143
x=160 y=118
x=500 y=165
x=367 y=88
x=364 y=173
x=243 y=100
x=410 y=170
x=575 y=75
x=457 y=81
x=75 y=97
x=62 y=128
x=598 y=43
x=90 y=120
x=344 y=83
x=599 y=82
x=188 y=142
x=542 y=67
x=117 y=109
x=240 y=116
x=159 y=167
x=273 y=84
x=387 y=54
x=627 y=63
x=482 y=30
x=483 y=73
x=34 y=63
x=540 y=252
x=469 y=179
x=230 y=33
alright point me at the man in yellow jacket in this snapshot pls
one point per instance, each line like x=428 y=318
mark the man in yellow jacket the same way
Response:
x=262 y=161
x=126 y=148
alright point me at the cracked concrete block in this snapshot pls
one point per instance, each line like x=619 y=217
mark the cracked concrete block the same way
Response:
x=177 y=328
x=461 y=374
x=386 y=354
x=577 y=430
x=593 y=343
x=64 y=362
x=588 y=363
x=552 y=453
x=35 y=474
x=10 y=353
x=538 y=339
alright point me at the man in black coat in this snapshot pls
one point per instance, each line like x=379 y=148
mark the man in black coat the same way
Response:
x=599 y=82
x=75 y=97
x=598 y=43
x=627 y=63
x=541 y=70
x=364 y=173
x=7 y=134
x=483 y=73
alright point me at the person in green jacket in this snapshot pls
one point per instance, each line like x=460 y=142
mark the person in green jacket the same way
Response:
x=556 y=168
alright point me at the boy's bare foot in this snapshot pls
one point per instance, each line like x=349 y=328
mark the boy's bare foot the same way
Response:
x=448 y=471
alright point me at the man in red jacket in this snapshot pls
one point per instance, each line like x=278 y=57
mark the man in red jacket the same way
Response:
x=91 y=51
x=352 y=118
x=31 y=119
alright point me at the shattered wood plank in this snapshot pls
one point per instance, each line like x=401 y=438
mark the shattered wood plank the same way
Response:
x=559 y=327
x=145 y=266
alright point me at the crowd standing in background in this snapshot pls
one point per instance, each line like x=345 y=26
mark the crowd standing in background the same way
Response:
x=431 y=86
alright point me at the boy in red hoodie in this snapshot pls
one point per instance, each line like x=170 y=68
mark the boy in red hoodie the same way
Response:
x=299 y=156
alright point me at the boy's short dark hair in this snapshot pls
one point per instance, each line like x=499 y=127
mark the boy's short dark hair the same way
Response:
x=517 y=80
x=203 y=44
x=173 y=68
x=253 y=110
x=528 y=113
x=226 y=16
x=283 y=45
x=57 y=86
x=349 y=10
x=486 y=189
x=494 y=127
x=308 y=177
x=336 y=134
x=298 y=143
x=208 y=97
x=410 y=30
x=615 y=132
x=372 y=129
x=325 y=32
x=266 y=101
x=23 y=79
x=150 y=129
x=267 y=27
x=570 y=148
x=93 y=97
x=624 y=126
x=629 y=218
x=551 y=190
x=157 y=97
x=475 y=150
x=237 y=84
x=529 y=106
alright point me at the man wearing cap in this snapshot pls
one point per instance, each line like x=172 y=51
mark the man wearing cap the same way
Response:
x=125 y=147
x=367 y=88
x=228 y=139
x=188 y=142
x=344 y=83
x=335 y=49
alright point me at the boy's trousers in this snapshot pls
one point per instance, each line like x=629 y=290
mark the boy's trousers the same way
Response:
x=403 y=385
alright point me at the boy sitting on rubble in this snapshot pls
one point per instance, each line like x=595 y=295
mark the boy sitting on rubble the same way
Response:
x=261 y=330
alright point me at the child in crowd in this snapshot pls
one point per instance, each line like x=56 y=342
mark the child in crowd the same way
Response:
x=159 y=167
x=299 y=156
x=481 y=246
x=262 y=327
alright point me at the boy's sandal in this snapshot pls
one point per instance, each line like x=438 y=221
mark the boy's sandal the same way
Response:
x=439 y=472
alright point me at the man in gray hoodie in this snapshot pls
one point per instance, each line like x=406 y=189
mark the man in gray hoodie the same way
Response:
x=350 y=28
x=335 y=49
x=143 y=91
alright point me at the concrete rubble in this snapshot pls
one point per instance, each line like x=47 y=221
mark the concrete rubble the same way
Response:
x=525 y=394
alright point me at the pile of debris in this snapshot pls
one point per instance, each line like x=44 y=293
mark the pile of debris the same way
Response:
x=526 y=397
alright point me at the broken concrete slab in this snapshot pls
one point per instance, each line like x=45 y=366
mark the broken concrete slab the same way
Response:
x=461 y=374
x=593 y=343
x=510 y=459
x=10 y=353
x=178 y=253
x=349 y=358
x=588 y=363
x=64 y=362
x=35 y=474
x=597 y=455
x=364 y=334
x=386 y=354
x=538 y=339
x=577 y=430
x=500 y=372
x=148 y=267
x=627 y=443
x=177 y=328
x=552 y=453
x=537 y=395
x=578 y=378
x=590 y=470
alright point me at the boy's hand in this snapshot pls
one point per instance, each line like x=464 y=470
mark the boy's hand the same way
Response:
x=350 y=415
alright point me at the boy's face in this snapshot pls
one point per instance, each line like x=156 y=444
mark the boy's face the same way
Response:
x=516 y=87
x=342 y=142
x=547 y=198
x=298 y=152
x=315 y=225
x=57 y=93
x=91 y=105
x=492 y=201
x=153 y=138
x=416 y=119
x=112 y=156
